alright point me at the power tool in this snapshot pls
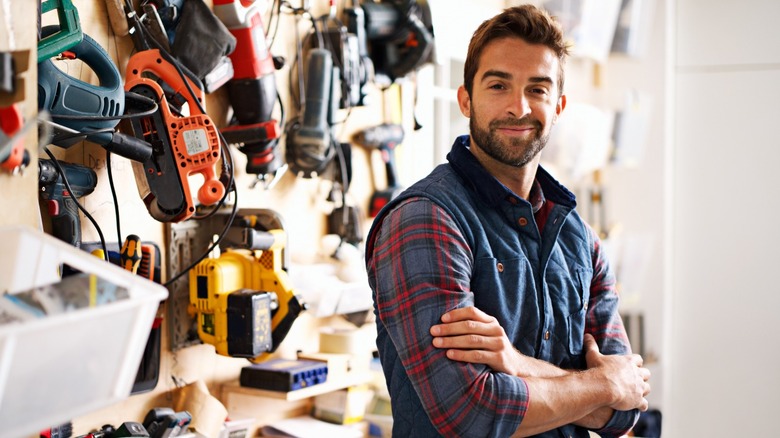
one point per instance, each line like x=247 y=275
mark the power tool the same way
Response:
x=182 y=145
x=399 y=33
x=13 y=155
x=166 y=423
x=65 y=97
x=244 y=300
x=385 y=138
x=353 y=68
x=67 y=34
x=252 y=91
x=309 y=141
x=64 y=213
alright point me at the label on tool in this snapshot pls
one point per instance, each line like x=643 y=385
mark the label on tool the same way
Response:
x=196 y=141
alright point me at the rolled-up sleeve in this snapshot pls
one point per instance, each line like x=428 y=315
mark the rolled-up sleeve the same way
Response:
x=420 y=267
x=606 y=326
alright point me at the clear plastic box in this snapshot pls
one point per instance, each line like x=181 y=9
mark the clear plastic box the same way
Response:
x=59 y=367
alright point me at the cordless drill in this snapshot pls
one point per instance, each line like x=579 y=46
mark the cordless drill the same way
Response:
x=385 y=138
x=63 y=210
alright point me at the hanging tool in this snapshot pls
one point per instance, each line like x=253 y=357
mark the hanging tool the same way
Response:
x=252 y=90
x=130 y=254
x=183 y=145
x=244 y=299
x=116 y=15
x=203 y=44
x=309 y=141
x=355 y=20
x=96 y=106
x=68 y=33
x=400 y=35
x=65 y=221
x=13 y=155
x=385 y=138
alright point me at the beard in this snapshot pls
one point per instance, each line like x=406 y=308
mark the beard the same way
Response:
x=515 y=152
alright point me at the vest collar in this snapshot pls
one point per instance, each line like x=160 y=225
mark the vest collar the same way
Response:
x=491 y=190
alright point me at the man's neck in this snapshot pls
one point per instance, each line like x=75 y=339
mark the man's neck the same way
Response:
x=518 y=179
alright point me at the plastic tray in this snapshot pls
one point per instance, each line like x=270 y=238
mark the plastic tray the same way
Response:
x=59 y=367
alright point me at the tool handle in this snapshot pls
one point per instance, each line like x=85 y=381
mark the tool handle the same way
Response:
x=66 y=225
x=62 y=94
x=130 y=256
x=129 y=147
x=67 y=34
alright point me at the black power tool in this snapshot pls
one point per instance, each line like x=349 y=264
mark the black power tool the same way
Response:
x=385 y=138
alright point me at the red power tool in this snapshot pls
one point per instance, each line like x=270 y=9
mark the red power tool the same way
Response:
x=183 y=145
x=252 y=91
x=13 y=156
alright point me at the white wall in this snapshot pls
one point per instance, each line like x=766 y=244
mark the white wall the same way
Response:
x=723 y=333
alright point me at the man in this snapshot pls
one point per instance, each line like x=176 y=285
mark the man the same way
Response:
x=497 y=313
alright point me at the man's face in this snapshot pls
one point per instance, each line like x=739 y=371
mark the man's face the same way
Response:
x=514 y=101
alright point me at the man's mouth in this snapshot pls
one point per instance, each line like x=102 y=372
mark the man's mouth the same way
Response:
x=515 y=130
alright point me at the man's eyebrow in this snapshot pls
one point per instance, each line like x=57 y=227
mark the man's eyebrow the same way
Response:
x=539 y=79
x=505 y=75
x=496 y=73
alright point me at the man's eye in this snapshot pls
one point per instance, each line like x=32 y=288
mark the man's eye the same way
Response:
x=496 y=86
x=539 y=91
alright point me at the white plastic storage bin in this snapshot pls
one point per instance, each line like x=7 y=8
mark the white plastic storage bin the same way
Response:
x=56 y=368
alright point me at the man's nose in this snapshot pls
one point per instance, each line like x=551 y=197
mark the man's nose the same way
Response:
x=519 y=107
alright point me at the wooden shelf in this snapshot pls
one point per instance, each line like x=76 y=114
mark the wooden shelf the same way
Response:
x=350 y=379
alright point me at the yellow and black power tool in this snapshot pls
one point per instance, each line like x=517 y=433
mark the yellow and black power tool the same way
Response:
x=244 y=299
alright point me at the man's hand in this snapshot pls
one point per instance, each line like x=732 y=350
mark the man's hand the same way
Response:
x=472 y=336
x=625 y=375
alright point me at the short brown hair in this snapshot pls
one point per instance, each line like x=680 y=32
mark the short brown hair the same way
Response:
x=527 y=22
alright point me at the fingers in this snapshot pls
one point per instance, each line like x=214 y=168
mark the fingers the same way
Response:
x=466 y=313
x=468 y=342
x=468 y=326
x=590 y=344
x=471 y=356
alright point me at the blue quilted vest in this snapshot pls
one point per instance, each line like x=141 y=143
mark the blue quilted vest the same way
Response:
x=535 y=283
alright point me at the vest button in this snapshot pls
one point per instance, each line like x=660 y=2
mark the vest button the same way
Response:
x=547 y=335
x=500 y=267
x=522 y=221
x=512 y=200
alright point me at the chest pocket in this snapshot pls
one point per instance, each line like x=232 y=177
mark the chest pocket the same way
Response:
x=579 y=309
x=505 y=289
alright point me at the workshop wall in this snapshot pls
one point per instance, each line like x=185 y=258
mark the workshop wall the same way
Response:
x=20 y=192
x=301 y=202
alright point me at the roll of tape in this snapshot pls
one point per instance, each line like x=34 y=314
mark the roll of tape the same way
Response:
x=345 y=341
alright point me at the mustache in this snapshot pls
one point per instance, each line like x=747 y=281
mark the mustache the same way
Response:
x=512 y=123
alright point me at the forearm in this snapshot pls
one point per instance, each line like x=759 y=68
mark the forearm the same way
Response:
x=562 y=400
x=532 y=367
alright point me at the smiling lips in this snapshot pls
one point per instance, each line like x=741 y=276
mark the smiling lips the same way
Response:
x=515 y=130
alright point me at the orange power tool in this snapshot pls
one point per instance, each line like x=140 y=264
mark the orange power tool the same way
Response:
x=183 y=145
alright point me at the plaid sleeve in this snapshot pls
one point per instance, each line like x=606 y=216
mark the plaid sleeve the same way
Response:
x=420 y=267
x=606 y=326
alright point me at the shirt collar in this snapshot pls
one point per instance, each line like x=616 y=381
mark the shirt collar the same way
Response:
x=493 y=191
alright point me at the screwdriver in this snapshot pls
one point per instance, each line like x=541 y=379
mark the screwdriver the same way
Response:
x=130 y=256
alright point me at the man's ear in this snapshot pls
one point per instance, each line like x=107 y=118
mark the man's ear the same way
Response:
x=559 y=107
x=464 y=101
